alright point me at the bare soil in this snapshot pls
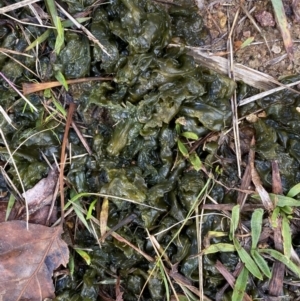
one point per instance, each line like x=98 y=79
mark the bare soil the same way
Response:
x=271 y=57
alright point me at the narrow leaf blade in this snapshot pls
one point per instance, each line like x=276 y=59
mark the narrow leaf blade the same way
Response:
x=240 y=285
x=247 y=260
x=235 y=217
x=260 y=261
x=80 y=215
x=281 y=200
x=195 y=161
x=280 y=257
x=294 y=191
x=274 y=217
x=220 y=247
x=287 y=237
x=190 y=135
x=283 y=25
x=91 y=208
x=256 y=224
x=60 y=77
x=10 y=205
x=182 y=149
x=247 y=42
x=84 y=255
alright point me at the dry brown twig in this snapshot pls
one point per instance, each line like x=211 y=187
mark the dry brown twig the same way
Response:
x=29 y=88
x=235 y=123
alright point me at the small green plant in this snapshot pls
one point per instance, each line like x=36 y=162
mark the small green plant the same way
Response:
x=253 y=259
x=191 y=157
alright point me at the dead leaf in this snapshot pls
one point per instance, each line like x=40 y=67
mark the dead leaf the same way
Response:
x=39 y=194
x=27 y=260
x=104 y=216
x=276 y=180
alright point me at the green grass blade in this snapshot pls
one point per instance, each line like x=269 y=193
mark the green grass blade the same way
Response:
x=294 y=191
x=60 y=38
x=240 y=285
x=247 y=42
x=274 y=217
x=256 y=224
x=190 y=135
x=84 y=255
x=91 y=208
x=165 y=280
x=80 y=215
x=286 y=236
x=10 y=205
x=287 y=210
x=42 y=38
x=260 y=261
x=71 y=265
x=195 y=161
x=235 y=217
x=51 y=8
x=281 y=200
x=247 y=260
x=182 y=149
x=60 y=77
x=280 y=257
x=283 y=26
x=220 y=247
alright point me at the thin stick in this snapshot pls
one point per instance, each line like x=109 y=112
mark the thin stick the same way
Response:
x=16 y=5
x=256 y=26
x=20 y=94
x=71 y=110
x=18 y=62
x=5 y=50
x=90 y=36
x=235 y=123
x=81 y=138
x=6 y=117
x=29 y=88
x=266 y=93
x=18 y=174
x=122 y=223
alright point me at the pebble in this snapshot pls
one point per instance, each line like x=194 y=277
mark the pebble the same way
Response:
x=276 y=49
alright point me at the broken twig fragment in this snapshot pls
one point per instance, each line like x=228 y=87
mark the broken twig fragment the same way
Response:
x=29 y=88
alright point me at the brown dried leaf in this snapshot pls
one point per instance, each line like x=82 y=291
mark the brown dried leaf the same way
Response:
x=276 y=180
x=40 y=194
x=104 y=216
x=27 y=260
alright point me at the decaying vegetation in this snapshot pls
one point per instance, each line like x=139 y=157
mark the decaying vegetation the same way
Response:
x=170 y=179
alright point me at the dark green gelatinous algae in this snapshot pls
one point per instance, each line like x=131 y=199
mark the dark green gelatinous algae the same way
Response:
x=130 y=125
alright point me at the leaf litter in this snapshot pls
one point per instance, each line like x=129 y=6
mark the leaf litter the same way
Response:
x=138 y=153
x=41 y=249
